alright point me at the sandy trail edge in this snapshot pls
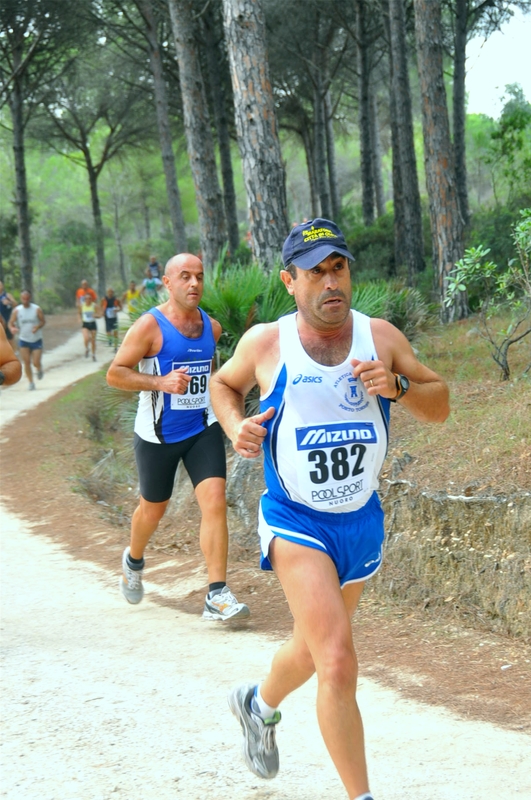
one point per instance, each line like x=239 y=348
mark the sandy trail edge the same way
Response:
x=103 y=700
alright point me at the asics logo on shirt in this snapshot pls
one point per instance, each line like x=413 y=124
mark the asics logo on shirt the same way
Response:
x=307 y=379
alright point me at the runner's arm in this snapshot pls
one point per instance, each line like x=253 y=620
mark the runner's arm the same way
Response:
x=9 y=363
x=229 y=388
x=141 y=340
x=427 y=398
x=42 y=320
x=13 y=327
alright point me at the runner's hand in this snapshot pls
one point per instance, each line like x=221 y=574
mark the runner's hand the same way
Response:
x=377 y=379
x=175 y=382
x=251 y=434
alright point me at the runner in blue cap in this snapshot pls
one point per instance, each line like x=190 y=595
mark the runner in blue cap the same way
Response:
x=327 y=375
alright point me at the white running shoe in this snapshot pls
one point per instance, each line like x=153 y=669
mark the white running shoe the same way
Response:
x=260 y=749
x=131 y=581
x=224 y=606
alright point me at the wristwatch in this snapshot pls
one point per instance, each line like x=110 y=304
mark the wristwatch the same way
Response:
x=2 y=377
x=402 y=385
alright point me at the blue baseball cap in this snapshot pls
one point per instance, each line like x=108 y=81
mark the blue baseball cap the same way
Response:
x=313 y=241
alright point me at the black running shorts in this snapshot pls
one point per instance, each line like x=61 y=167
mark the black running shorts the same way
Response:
x=203 y=456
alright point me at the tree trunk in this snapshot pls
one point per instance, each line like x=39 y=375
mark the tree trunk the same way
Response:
x=147 y=220
x=459 y=112
x=310 y=165
x=98 y=223
x=376 y=148
x=198 y=134
x=398 y=194
x=119 y=244
x=446 y=225
x=412 y=253
x=319 y=150
x=364 y=115
x=335 y=201
x=164 y=129
x=219 y=105
x=256 y=125
x=21 y=185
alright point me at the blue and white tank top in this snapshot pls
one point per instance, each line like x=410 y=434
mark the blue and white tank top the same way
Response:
x=162 y=417
x=327 y=441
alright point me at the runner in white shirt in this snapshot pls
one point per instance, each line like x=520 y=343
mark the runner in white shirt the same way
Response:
x=28 y=320
x=327 y=376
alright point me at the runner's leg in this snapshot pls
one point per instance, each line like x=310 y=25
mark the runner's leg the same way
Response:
x=86 y=338
x=37 y=358
x=213 y=533
x=25 y=354
x=322 y=618
x=144 y=524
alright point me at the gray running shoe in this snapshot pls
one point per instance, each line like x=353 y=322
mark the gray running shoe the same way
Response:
x=131 y=581
x=224 y=606
x=260 y=749
x=31 y=386
x=40 y=373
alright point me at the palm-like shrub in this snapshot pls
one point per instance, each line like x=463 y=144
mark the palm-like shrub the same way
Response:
x=240 y=296
x=398 y=304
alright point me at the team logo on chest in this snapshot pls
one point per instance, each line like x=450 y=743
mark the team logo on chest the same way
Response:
x=351 y=393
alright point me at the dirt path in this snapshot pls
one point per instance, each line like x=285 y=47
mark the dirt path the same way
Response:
x=103 y=700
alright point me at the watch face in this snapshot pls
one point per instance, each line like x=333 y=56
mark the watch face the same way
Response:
x=404 y=383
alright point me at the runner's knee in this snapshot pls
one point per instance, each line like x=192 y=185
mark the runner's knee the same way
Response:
x=152 y=513
x=338 y=668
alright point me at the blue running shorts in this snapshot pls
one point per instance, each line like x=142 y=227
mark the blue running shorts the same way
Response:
x=31 y=345
x=353 y=540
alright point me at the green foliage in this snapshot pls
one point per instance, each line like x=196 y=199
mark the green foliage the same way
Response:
x=500 y=290
x=401 y=305
x=373 y=247
x=70 y=249
x=492 y=228
x=49 y=301
x=510 y=151
x=240 y=295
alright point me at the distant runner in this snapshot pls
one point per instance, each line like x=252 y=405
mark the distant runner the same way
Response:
x=154 y=267
x=88 y=312
x=83 y=290
x=151 y=286
x=7 y=304
x=111 y=306
x=28 y=321
x=130 y=297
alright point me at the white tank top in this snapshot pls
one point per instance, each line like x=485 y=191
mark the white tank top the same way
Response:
x=27 y=319
x=327 y=441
